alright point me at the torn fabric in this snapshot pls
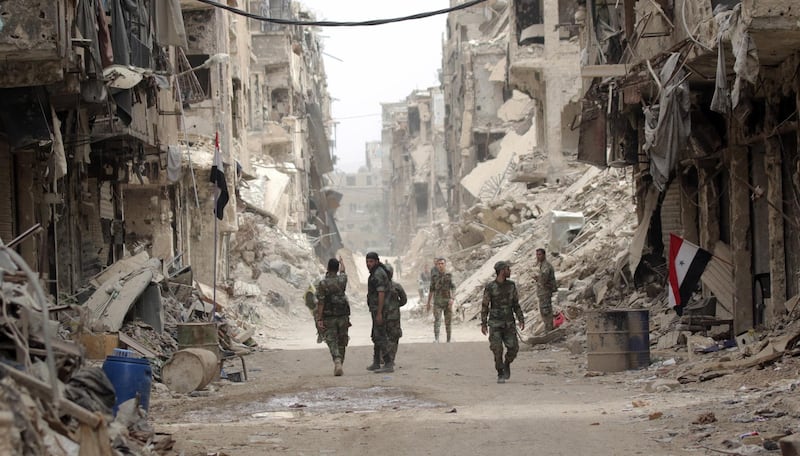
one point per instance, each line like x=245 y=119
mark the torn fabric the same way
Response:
x=746 y=66
x=174 y=168
x=668 y=136
x=170 y=29
x=59 y=155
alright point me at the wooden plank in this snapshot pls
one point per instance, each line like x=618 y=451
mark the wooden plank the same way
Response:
x=134 y=344
x=98 y=346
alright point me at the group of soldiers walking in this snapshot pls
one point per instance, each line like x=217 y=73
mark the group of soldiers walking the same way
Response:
x=500 y=310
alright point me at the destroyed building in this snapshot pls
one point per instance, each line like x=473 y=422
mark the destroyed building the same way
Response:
x=412 y=133
x=497 y=59
x=109 y=125
x=544 y=62
x=290 y=128
x=363 y=212
x=473 y=92
x=699 y=99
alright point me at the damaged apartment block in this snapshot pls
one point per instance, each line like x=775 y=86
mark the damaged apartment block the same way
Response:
x=700 y=100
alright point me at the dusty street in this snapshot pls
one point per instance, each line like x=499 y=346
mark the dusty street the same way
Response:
x=442 y=399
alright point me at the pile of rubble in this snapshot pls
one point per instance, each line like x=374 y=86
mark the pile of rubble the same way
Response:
x=53 y=402
x=593 y=274
x=271 y=271
x=588 y=252
x=52 y=364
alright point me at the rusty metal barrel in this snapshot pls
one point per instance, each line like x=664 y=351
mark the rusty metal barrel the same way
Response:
x=190 y=369
x=198 y=335
x=618 y=339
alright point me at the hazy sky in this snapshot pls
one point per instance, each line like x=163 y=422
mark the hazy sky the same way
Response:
x=383 y=63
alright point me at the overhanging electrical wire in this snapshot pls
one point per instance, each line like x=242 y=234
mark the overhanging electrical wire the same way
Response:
x=274 y=20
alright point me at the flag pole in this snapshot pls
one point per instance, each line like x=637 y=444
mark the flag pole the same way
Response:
x=216 y=225
x=214 y=292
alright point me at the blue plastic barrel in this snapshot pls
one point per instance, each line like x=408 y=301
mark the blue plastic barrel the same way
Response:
x=131 y=377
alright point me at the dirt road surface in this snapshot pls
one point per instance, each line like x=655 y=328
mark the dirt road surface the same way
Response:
x=442 y=399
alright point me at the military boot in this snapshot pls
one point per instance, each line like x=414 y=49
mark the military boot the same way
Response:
x=376 y=360
x=507 y=370
x=386 y=369
x=337 y=367
x=501 y=376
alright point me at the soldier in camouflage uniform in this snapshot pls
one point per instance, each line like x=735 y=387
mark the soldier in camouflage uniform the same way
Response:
x=546 y=281
x=395 y=298
x=333 y=312
x=441 y=290
x=500 y=306
x=378 y=287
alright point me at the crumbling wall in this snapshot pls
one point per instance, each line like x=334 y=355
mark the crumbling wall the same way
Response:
x=201 y=29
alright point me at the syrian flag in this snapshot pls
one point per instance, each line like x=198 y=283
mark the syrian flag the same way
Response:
x=218 y=177
x=686 y=264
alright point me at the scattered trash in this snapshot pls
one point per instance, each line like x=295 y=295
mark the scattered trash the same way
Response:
x=705 y=418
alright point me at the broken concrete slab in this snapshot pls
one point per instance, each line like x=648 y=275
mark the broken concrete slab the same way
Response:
x=511 y=146
x=126 y=267
x=206 y=293
x=671 y=339
x=110 y=304
x=516 y=108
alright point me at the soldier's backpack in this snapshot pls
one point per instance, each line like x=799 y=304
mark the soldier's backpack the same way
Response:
x=399 y=293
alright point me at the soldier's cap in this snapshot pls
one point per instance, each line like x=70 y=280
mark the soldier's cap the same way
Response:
x=500 y=265
x=333 y=264
x=372 y=256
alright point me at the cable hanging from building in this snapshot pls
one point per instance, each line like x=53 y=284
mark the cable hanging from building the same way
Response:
x=341 y=24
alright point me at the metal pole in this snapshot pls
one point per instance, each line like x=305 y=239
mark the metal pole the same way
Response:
x=214 y=293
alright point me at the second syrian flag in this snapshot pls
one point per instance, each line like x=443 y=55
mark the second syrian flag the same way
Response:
x=686 y=264
x=218 y=177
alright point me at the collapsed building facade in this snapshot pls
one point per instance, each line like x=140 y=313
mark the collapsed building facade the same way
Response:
x=510 y=86
x=291 y=122
x=473 y=79
x=363 y=210
x=699 y=99
x=109 y=120
x=412 y=139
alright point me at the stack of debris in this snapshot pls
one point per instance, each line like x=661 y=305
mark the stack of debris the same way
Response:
x=271 y=271
x=41 y=414
x=584 y=220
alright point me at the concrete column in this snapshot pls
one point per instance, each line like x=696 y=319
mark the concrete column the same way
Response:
x=737 y=158
x=777 y=255
x=553 y=76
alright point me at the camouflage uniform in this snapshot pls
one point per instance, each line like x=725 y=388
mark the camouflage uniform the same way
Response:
x=544 y=292
x=391 y=320
x=442 y=290
x=500 y=306
x=311 y=303
x=335 y=312
x=378 y=281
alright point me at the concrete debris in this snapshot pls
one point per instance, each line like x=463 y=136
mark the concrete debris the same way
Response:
x=118 y=312
x=84 y=404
